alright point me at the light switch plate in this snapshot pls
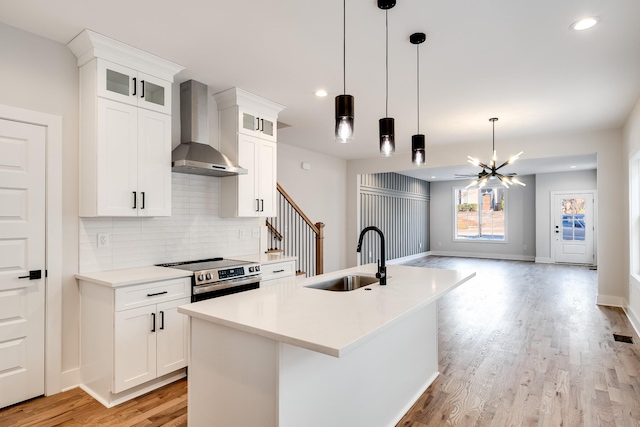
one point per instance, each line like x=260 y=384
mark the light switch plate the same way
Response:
x=255 y=233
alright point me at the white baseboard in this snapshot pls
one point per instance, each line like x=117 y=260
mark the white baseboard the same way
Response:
x=408 y=258
x=633 y=318
x=484 y=255
x=544 y=260
x=70 y=379
x=610 y=300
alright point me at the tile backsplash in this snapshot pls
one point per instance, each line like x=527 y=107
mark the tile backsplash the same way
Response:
x=193 y=231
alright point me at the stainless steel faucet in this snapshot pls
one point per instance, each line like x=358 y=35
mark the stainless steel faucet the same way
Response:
x=382 y=268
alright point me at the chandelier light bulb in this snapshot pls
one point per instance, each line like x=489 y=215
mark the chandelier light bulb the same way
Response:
x=473 y=161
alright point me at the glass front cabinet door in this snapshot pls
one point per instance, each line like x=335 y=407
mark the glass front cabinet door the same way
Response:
x=258 y=125
x=132 y=87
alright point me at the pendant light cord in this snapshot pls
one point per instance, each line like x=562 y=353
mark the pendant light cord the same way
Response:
x=494 y=137
x=386 y=108
x=344 y=46
x=418 y=78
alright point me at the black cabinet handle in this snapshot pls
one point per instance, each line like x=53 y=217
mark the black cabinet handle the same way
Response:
x=161 y=320
x=257 y=205
x=262 y=125
x=262 y=205
x=278 y=271
x=135 y=199
x=257 y=123
x=142 y=84
x=153 y=329
x=135 y=86
x=157 y=293
x=142 y=200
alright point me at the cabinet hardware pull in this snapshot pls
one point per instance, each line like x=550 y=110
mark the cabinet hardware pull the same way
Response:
x=135 y=199
x=257 y=205
x=142 y=84
x=153 y=329
x=257 y=124
x=262 y=205
x=278 y=271
x=135 y=87
x=262 y=125
x=142 y=200
x=157 y=293
x=161 y=320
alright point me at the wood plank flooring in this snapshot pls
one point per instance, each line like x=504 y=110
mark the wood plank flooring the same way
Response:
x=522 y=344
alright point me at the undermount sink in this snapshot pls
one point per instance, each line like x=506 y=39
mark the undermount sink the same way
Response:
x=344 y=283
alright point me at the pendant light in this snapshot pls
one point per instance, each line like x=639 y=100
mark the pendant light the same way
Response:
x=387 y=124
x=490 y=171
x=418 y=156
x=344 y=102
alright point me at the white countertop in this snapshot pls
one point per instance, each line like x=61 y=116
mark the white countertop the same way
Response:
x=264 y=259
x=133 y=276
x=328 y=322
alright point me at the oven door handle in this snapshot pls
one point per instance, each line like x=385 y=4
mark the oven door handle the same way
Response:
x=226 y=284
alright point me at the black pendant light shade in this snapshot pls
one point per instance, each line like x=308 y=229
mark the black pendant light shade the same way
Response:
x=344 y=103
x=344 y=118
x=386 y=4
x=418 y=155
x=387 y=136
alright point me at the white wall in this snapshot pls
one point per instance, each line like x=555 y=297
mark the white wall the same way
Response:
x=545 y=184
x=607 y=144
x=321 y=193
x=631 y=206
x=41 y=75
x=520 y=215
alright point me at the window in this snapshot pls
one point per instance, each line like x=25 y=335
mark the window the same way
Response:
x=480 y=214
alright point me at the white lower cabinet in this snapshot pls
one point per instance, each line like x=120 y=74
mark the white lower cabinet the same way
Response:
x=132 y=338
x=277 y=272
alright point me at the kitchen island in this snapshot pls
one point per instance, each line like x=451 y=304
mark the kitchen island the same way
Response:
x=290 y=356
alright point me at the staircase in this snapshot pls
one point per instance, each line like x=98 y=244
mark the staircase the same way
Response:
x=292 y=233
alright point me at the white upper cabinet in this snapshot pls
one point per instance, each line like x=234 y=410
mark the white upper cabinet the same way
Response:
x=248 y=132
x=125 y=128
x=129 y=86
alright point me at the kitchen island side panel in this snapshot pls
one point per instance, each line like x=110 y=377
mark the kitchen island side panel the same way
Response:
x=374 y=385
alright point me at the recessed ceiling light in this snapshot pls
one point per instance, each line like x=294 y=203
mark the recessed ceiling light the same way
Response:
x=321 y=93
x=584 y=23
x=572 y=167
x=433 y=177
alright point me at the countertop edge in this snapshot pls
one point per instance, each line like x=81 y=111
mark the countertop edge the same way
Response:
x=132 y=276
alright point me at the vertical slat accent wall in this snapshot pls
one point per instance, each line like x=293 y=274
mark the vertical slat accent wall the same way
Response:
x=399 y=206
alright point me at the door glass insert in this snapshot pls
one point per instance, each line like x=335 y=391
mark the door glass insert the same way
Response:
x=248 y=121
x=267 y=127
x=153 y=93
x=117 y=82
x=573 y=224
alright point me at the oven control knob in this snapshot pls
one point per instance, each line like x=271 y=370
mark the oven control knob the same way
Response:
x=251 y=269
x=257 y=268
x=209 y=276
x=201 y=277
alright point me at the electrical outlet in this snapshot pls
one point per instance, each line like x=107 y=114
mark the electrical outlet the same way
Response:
x=439 y=243
x=241 y=234
x=103 y=240
x=255 y=233
x=524 y=247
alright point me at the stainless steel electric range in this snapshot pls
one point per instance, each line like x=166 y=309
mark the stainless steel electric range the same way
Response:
x=217 y=277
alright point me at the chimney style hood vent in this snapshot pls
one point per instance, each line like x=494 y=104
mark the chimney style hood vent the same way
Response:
x=194 y=155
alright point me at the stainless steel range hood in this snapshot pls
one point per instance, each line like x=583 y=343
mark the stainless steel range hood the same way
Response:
x=194 y=155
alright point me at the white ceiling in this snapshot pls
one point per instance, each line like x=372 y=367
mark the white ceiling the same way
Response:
x=516 y=60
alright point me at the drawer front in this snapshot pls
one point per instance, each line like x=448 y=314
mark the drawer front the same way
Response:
x=278 y=270
x=152 y=293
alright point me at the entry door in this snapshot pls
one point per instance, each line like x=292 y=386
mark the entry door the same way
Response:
x=22 y=248
x=574 y=228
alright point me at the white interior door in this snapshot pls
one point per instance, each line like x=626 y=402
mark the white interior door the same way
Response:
x=22 y=249
x=573 y=228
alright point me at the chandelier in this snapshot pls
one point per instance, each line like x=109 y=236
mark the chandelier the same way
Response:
x=490 y=171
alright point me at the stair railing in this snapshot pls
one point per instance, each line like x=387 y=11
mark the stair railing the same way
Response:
x=293 y=233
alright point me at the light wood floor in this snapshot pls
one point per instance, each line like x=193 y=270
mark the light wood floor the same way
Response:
x=522 y=344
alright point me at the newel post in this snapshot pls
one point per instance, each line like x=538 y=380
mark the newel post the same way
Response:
x=320 y=248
